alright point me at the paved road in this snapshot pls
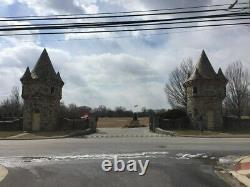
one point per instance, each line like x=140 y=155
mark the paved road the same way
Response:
x=124 y=132
x=174 y=161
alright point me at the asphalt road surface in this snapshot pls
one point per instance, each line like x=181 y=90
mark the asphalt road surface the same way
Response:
x=174 y=161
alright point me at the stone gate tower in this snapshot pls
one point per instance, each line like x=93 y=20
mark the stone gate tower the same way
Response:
x=206 y=90
x=42 y=92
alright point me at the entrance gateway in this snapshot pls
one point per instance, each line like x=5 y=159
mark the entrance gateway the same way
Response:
x=210 y=119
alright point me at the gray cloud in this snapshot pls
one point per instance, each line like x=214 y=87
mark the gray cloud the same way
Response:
x=60 y=7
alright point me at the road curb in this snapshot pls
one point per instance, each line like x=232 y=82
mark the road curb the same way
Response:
x=161 y=131
x=126 y=136
x=227 y=177
x=242 y=170
x=80 y=133
x=3 y=173
x=173 y=133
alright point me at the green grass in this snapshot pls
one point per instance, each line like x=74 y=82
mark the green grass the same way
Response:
x=238 y=132
x=6 y=134
x=196 y=132
x=44 y=134
x=52 y=133
x=245 y=117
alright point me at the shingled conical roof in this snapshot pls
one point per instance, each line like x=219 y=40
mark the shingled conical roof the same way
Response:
x=195 y=75
x=59 y=78
x=27 y=75
x=221 y=76
x=205 y=68
x=43 y=68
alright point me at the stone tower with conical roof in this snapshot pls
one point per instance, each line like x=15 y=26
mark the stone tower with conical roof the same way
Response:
x=42 y=92
x=206 y=90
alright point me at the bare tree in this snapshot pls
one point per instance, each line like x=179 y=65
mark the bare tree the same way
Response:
x=12 y=106
x=174 y=89
x=15 y=100
x=237 y=88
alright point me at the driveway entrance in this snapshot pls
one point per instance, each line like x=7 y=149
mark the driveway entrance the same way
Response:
x=124 y=132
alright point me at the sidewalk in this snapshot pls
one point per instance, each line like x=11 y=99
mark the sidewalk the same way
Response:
x=242 y=170
x=141 y=132
x=198 y=134
x=217 y=136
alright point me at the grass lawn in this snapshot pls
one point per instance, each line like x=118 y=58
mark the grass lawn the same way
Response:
x=238 y=132
x=4 y=134
x=36 y=135
x=118 y=122
x=197 y=132
x=52 y=133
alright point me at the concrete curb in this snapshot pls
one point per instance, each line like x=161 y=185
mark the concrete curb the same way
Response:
x=3 y=172
x=242 y=170
x=172 y=133
x=161 y=131
x=80 y=133
x=126 y=136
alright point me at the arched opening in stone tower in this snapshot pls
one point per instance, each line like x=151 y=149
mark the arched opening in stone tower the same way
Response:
x=36 y=120
x=195 y=90
x=52 y=90
x=210 y=119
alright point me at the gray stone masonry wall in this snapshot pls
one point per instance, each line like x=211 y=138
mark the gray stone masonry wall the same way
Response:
x=42 y=92
x=206 y=90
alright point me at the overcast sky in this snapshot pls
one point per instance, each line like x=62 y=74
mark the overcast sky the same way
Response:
x=115 y=70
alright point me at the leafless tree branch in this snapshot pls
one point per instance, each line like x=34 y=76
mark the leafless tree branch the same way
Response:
x=174 y=89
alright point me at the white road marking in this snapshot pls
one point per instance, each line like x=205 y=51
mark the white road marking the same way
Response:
x=189 y=156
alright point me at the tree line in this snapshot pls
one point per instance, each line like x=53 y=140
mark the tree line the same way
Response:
x=12 y=107
x=73 y=111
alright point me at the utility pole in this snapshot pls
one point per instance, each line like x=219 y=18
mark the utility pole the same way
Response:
x=232 y=5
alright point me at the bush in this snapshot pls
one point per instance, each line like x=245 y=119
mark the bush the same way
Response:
x=173 y=114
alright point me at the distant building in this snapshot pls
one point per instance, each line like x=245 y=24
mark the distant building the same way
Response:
x=206 y=90
x=42 y=92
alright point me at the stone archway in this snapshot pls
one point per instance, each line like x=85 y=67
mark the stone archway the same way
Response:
x=210 y=119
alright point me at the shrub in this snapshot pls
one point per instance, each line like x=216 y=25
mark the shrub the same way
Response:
x=173 y=114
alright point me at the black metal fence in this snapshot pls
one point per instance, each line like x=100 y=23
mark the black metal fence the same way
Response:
x=157 y=121
x=232 y=123
x=11 y=124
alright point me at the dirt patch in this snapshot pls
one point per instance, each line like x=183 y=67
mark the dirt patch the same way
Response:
x=119 y=122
